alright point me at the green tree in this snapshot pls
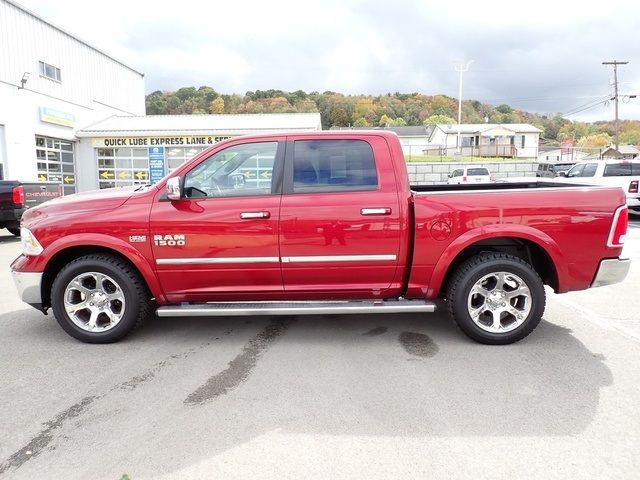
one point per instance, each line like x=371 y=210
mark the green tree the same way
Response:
x=360 y=123
x=398 y=122
x=439 y=119
x=385 y=121
x=506 y=109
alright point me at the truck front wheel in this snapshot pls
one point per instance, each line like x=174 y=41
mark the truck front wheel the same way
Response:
x=496 y=298
x=99 y=298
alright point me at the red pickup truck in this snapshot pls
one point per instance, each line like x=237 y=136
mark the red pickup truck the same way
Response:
x=316 y=223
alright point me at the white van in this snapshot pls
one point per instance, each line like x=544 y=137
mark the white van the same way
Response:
x=622 y=173
x=469 y=175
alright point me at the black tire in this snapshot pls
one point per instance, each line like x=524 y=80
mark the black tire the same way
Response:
x=475 y=269
x=137 y=302
x=14 y=231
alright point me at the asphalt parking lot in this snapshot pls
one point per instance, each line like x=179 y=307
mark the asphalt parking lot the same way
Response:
x=402 y=396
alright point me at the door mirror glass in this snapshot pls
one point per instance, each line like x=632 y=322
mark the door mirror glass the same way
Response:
x=173 y=189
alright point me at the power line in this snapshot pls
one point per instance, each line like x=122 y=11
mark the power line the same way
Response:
x=588 y=105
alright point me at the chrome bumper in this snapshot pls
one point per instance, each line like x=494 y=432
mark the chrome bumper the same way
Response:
x=28 y=285
x=611 y=271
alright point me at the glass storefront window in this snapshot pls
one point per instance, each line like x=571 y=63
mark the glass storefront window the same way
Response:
x=116 y=167
x=55 y=159
x=122 y=166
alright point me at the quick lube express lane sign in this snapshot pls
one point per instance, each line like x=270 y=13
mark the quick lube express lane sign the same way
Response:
x=111 y=142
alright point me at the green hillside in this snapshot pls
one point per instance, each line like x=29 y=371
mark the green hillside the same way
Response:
x=397 y=109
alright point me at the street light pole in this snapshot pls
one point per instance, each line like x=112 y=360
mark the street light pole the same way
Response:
x=460 y=67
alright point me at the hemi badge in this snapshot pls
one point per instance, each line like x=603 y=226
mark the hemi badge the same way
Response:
x=137 y=238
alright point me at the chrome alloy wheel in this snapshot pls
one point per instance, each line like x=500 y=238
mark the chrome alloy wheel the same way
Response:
x=94 y=302
x=499 y=302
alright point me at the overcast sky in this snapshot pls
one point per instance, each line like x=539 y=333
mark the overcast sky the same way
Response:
x=542 y=56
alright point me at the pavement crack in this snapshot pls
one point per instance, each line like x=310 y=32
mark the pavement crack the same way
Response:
x=239 y=369
x=42 y=440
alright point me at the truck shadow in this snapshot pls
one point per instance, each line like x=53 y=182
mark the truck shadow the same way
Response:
x=9 y=239
x=374 y=375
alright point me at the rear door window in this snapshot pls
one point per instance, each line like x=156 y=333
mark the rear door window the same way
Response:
x=333 y=166
x=589 y=170
x=617 y=170
x=477 y=171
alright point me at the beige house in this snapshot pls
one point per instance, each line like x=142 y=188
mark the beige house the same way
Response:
x=512 y=140
x=625 y=152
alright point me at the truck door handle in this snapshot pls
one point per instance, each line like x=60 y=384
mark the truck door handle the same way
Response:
x=375 y=211
x=249 y=215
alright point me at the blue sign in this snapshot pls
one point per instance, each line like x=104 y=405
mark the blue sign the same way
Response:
x=156 y=164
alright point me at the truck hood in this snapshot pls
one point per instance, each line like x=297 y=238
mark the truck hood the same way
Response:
x=79 y=202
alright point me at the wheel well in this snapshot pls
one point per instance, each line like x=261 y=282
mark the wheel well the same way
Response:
x=527 y=250
x=67 y=255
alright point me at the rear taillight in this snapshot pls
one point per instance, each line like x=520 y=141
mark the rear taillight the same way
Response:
x=18 y=195
x=619 y=228
x=633 y=187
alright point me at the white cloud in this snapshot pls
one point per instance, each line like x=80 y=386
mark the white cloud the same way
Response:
x=544 y=57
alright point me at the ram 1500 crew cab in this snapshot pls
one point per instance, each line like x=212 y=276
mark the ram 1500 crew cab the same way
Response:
x=322 y=222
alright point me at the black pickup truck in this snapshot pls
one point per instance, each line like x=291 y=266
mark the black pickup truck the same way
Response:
x=16 y=197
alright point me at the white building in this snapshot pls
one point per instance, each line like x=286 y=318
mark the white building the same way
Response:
x=71 y=114
x=51 y=83
x=566 y=155
x=129 y=150
x=512 y=140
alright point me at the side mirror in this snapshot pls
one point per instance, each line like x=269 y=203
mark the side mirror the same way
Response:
x=173 y=189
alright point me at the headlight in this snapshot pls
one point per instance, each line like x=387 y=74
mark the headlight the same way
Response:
x=30 y=244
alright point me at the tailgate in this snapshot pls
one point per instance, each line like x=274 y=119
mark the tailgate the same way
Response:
x=37 y=193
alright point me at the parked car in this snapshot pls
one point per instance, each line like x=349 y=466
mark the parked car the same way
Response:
x=622 y=173
x=316 y=223
x=469 y=175
x=552 y=169
x=16 y=197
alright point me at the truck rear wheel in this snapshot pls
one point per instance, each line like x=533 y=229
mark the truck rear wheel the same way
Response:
x=14 y=231
x=99 y=298
x=496 y=299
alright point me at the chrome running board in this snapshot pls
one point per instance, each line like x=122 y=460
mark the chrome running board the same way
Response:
x=295 y=308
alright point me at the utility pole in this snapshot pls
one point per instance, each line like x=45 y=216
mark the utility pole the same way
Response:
x=615 y=64
x=460 y=67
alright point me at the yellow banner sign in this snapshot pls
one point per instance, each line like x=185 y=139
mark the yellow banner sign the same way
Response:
x=112 y=142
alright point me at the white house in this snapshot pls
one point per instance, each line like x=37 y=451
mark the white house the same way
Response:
x=567 y=155
x=515 y=140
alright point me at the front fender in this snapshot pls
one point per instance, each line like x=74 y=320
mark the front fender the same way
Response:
x=107 y=242
x=470 y=237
